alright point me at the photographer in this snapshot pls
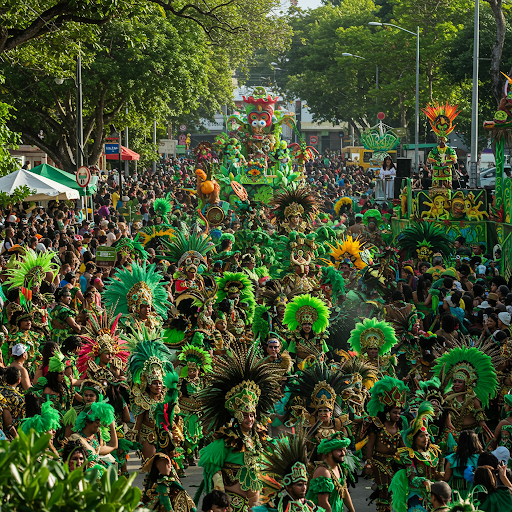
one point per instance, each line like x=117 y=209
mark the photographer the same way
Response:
x=498 y=497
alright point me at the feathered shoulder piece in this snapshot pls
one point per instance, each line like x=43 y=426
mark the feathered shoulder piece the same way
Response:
x=372 y=333
x=296 y=200
x=239 y=383
x=132 y=288
x=31 y=269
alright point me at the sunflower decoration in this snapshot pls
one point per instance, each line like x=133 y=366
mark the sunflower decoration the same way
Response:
x=151 y=236
x=343 y=205
x=351 y=250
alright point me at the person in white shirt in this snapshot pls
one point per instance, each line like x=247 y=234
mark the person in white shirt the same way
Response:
x=388 y=173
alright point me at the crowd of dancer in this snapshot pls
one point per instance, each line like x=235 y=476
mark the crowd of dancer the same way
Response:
x=289 y=351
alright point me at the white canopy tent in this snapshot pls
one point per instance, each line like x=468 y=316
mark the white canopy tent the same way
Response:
x=46 y=189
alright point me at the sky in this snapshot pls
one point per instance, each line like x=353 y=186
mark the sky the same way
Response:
x=309 y=4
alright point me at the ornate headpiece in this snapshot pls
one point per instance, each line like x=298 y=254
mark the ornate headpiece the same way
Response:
x=274 y=294
x=342 y=204
x=323 y=396
x=237 y=282
x=472 y=366
x=305 y=309
x=133 y=288
x=335 y=441
x=293 y=209
x=30 y=269
x=191 y=260
x=420 y=239
x=372 y=333
x=362 y=371
x=419 y=423
x=295 y=200
x=388 y=393
x=128 y=247
x=441 y=118
x=372 y=213
x=101 y=338
x=297 y=258
x=239 y=383
x=92 y=385
x=97 y=411
x=56 y=363
x=195 y=357
x=430 y=391
x=349 y=251
x=49 y=419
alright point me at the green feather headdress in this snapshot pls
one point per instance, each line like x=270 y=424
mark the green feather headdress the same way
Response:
x=424 y=415
x=192 y=355
x=240 y=283
x=48 y=420
x=97 y=411
x=372 y=333
x=387 y=393
x=335 y=278
x=427 y=235
x=307 y=309
x=162 y=207
x=30 y=269
x=56 y=363
x=186 y=241
x=472 y=366
x=128 y=246
x=372 y=213
x=334 y=442
x=130 y=288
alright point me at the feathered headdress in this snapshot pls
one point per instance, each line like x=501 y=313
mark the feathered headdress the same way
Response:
x=162 y=207
x=30 y=270
x=239 y=383
x=164 y=411
x=361 y=371
x=196 y=357
x=101 y=338
x=127 y=246
x=305 y=309
x=441 y=118
x=295 y=200
x=49 y=419
x=237 y=282
x=343 y=204
x=368 y=214
x=388 y=393
x=333 y=277
x=321 y=386
x=56 y=362
x=97 y=411
x=422 y=239
x=200 y=298
x=372 y=333
x=132 y=288
x=348 y=251
x=429 y=391
x=419 y=423
x=473 y=367
x=152 y=235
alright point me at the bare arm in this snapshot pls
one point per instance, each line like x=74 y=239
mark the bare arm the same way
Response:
x=25 y=379
x=448 y=471
x=112 y=444
x=71 y=322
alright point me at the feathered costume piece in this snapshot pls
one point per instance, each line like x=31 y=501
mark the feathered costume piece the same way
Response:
x=132 y=288
x=429 y=391
x=97 y=411
x=419 y=423
x=388 y=393
x=334 y=278
x=295 y=200
x=151 y=236
x=238 y=383
x=134 y=248
x=162 y=207
x=305 y=309
x=342 y=205
x=48 y=420
x=30 y=270
x=372 y=333
x=473 y=367
x=164 y=411
x=348 y=251
x=101 y=338
x=368 y=214
x=237 y=282
x=321 y=386
x=187 y=244
x=361 y=371
x=422 y=239
x=441 y=118
x=195 y=357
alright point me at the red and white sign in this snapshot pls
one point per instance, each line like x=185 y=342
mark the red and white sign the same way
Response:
x=183 y=127
x=83 y=176
x=381 y=116
x=313 y=139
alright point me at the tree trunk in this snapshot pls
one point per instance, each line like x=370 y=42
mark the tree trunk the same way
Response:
x=501 y=26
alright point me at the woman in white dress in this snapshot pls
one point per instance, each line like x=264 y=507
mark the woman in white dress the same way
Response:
x=388 y=173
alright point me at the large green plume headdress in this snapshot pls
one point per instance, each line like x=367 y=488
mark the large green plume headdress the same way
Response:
x=419 y=423
x=372 y=333
x=388 y=393
x=429 y=391
x=473 y=367
x=97 y=411
x=31 y=269
x=285 y=463
x=305 y=309
x=372 y=213
x=132 y=288
x=239 y=383
x=49 y=419
x=195 y=357
x=422 y=239
x=162 y=207
x=237 y=282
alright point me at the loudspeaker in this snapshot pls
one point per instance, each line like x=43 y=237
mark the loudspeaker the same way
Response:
x=397 y=184
x=403 y=167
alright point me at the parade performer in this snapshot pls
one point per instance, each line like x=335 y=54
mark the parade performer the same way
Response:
x=285 y=477
x=139 y=296
x=276 y=355
x=320 y=390
x=149 y=363
x=239 y=393
x=46 y=422
x=238 y=289
x=410 y=487
x=388 y=398
x=226 y=338
x=503 y=432
x=88 y=433
x=103 y=358
x=21 y=332
x=442 y=156
x=372 y=340
x=307 y=319
x=63 y=317
x=328 y=486
x=197 y=363
x=299 y=280
x=469 y=380
x=371 y=232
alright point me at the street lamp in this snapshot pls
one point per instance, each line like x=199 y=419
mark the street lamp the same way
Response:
x=417 y=113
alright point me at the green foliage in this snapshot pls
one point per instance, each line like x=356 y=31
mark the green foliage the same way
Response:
x=20 y=194
x=31 y=479
x=8 y=139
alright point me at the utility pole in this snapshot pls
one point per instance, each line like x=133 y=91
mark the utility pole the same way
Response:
x=79 y=121
x=474 y=102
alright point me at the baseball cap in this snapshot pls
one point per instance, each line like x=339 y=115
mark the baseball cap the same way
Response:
x=505 y=317
x=502 y=454
x=19 y=349
x=12 y=218
x=481 y=269
x=442 y=489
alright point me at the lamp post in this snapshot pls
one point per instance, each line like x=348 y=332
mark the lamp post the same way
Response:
x=417 y=110
x=345 y=54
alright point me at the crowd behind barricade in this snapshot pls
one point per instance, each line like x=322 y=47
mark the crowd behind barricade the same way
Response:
x=288 y=350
